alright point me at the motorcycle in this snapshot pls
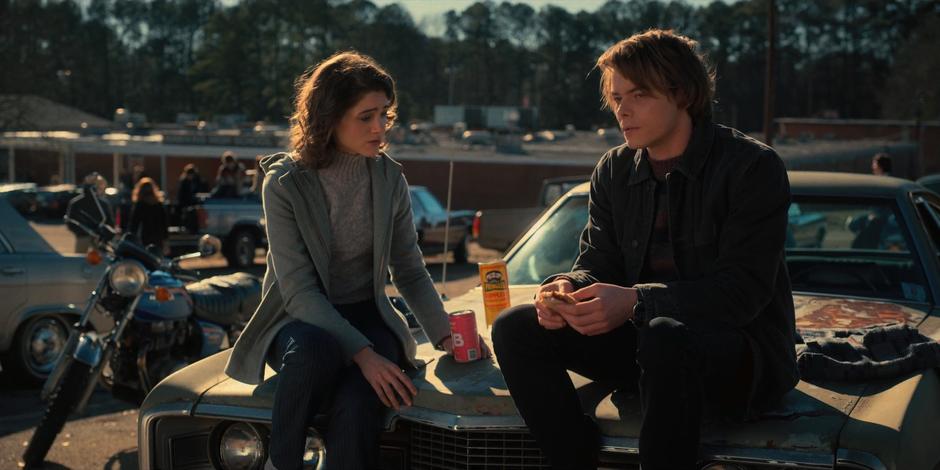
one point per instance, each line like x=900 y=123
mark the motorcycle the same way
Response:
x=161 y=324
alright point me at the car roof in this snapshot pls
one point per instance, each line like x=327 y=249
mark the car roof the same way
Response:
x=566 y=179
x=829 y=183
x=929 y=179
x=19 y=233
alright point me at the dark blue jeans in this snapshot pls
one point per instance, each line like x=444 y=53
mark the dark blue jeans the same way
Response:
x=670 y=361
x=313 y=379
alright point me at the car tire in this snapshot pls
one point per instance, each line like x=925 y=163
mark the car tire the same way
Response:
x=38 y=344
x=240 y=249
x=462 y=250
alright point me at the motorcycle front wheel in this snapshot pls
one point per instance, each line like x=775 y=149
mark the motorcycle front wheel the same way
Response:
x=62 y=402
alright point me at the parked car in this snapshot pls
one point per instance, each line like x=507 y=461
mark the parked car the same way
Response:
x=430 y=219
x=22 y=196
x=53 y=200
x=931 y=182
x=43 y=292
x=463 y=416
x=499 y=228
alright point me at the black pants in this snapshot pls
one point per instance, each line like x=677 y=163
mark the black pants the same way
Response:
x=313 y=379
x=679 y=368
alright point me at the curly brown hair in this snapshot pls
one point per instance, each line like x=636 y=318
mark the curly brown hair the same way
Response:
x=665 y=62
x=323 y=95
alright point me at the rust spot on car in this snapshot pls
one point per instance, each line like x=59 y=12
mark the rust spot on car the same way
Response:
x=815 y=315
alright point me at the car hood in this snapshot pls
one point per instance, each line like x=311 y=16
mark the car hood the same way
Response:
x=469 y=395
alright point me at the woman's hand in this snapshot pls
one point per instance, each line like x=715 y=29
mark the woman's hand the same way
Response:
x=386 y=378
x=448 y=345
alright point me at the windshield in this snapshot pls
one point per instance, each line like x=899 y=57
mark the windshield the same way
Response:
x=843 y=247
x=852 y=247
x=554 y=246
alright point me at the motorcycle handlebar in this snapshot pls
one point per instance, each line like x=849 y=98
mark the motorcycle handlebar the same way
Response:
x=129 y=249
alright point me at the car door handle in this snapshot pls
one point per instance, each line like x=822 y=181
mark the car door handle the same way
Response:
x=12 y=270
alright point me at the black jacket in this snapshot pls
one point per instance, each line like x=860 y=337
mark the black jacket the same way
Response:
x=728 y=201
x=148 y=222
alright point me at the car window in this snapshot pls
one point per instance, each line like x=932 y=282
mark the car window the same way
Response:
x=552 y=193
x=852 y=247
x=4 y=245
x=429 y=202
x=846 y=225
x=929 y=213
x=553 y=248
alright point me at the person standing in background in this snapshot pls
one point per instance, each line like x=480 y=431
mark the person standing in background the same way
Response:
x=98 y=184
x=148 y=217
x=881 y=164
x=230 y=176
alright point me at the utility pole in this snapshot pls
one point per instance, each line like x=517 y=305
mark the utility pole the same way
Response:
x=450 y=71
x=769 y=82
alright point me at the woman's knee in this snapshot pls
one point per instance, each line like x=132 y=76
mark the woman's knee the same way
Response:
x=306 y=344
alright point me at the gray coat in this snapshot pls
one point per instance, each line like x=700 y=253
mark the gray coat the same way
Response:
x=296 y=283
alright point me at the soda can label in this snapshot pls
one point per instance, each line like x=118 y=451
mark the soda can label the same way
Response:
x=463 y=331
x=494 y=279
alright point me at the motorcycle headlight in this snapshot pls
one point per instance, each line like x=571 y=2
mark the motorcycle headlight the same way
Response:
x=128 y=278
x=241 y=447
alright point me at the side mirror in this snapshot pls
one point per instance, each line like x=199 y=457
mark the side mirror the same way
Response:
x=209 y=246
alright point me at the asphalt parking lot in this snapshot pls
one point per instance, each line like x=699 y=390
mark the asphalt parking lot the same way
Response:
x=105 y=435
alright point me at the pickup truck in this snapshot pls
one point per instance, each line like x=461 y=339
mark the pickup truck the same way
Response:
x=430 y=219
x=498 y=228
x=238 y=222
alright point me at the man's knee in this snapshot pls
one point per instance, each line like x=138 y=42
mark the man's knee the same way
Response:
x=513 y=324
x=664 y=344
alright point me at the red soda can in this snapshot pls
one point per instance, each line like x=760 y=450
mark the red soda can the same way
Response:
x=463 y=331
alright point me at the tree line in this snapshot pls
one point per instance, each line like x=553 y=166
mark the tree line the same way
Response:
x=844 y=58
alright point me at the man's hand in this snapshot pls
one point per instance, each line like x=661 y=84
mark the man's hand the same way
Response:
x=386 y=378
x=600 y=308
x=547 y=313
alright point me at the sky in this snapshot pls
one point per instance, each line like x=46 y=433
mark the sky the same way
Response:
x=428 y=13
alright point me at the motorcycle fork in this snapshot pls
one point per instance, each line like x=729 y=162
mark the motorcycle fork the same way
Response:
x=109 y=343
x=75 y=332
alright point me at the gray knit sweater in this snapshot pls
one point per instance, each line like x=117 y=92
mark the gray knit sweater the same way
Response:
x=348 y=190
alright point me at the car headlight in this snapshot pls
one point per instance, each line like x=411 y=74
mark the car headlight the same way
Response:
x=128 y=277
x=314 y=451
x=241 y=447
